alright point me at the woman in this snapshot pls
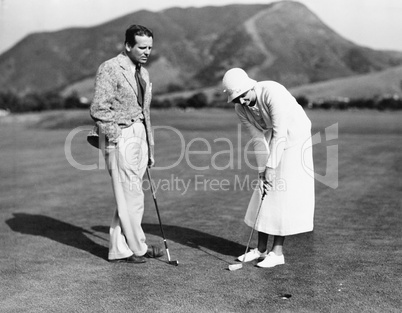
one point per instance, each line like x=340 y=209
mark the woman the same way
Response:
x=281 y=135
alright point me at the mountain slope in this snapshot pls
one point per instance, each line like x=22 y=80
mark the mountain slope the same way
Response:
x=387 y=82
x=193 y=47
x=288 y=43
x=54 y=60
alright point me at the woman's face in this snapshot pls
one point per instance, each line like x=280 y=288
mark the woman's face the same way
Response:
x=247 y=98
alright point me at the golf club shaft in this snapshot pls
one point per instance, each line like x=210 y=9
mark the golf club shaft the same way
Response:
x=255 y=223
x=157 y=212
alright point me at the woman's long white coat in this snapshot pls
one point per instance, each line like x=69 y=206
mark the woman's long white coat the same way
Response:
x=281 y=135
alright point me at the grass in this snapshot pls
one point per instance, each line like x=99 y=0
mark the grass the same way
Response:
x=54 y=222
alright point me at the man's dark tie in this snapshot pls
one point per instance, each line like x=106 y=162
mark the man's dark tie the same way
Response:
x=141 y=84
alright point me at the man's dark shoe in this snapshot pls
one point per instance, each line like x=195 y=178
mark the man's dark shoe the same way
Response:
x=130 y=259
x=154 y=252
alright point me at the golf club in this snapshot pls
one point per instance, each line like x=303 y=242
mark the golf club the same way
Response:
x=234 y=267
x=174 y=262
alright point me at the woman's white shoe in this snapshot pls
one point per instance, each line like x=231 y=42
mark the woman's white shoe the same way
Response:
x=252 y=255
x=272 y=260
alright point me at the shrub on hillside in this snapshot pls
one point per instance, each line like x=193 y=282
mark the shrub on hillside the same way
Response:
x=10 y=102
x=196 y=101
x=391 y=103
x=331 y=104
x=161 y=104
x=303 y=101
x=36 y=102
x=42 y=101
x=73 y=101
x=33 y=101
x=362 y=104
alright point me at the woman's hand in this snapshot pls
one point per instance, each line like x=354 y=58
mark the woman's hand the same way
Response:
x=151 y=161
x=267 y=178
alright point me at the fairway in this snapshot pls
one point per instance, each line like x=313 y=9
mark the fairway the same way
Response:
x=55 y=212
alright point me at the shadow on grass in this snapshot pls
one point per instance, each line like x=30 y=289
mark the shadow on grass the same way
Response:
x=190 y=237
x=68 y=234
x=48 y=227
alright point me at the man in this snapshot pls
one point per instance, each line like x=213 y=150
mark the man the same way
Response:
x=121 y=111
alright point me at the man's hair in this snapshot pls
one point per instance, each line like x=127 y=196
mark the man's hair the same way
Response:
x=136 y=30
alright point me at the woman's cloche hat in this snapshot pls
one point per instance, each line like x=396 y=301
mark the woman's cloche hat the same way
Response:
x=236 y=82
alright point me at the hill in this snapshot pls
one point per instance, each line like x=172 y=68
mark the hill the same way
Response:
x=387 y=82
x=283 y=41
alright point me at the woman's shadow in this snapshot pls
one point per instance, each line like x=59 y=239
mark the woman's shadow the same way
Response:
x=77 y=237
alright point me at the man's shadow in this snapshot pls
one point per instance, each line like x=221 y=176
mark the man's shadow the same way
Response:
x=65 y=233
x=77 y=237
x=189 y=237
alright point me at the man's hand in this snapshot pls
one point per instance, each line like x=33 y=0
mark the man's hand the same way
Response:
x=267 y=178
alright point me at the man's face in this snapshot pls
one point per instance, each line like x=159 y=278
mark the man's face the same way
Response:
x=246 y=98
x=142 y=49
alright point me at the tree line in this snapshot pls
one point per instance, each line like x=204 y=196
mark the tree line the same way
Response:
x=36 y=102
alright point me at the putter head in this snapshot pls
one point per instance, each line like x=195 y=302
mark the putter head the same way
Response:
x=234 y=267
x=175 y=262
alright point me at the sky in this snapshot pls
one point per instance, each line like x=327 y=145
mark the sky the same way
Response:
x=372 y=23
